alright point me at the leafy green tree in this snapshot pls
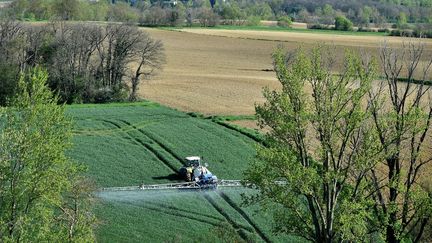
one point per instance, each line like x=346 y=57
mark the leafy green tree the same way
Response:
x=35 y=173
x=320 y=147
x=342 y=23
x=284 y=21
x=402 y=20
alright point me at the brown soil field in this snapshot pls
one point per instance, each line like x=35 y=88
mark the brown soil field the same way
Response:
x=224 y=71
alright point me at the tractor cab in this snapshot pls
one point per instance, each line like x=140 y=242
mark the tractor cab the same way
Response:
x=193 y=161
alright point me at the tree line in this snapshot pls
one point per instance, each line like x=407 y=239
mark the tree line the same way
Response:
x=348 y=156
x=86 y=62
x=362 y=13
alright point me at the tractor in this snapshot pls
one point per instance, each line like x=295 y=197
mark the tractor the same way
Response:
x=194 y=171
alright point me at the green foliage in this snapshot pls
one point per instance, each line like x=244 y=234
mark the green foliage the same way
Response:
x=402 y=20
x=284 y=21
x=34 y=170
x=311 y=155
x=102 y=129
x=342 y=23
x=127 y=144
x=8 y=83
x=253 y=21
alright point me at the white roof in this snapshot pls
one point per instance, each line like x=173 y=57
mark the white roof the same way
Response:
x=193 y=158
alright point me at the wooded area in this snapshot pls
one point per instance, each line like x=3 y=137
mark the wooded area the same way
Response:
x=86 y=62
x=411 y=17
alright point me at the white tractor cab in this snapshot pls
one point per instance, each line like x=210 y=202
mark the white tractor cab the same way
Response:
x=193 y=170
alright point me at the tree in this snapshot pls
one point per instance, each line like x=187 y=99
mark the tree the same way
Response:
x=342 y=23
x=402 y=20
x=66 y=9
x=320 y=146
x=284 y=21
x=76 y=218
x=402 y=114
x=34 y=170
x=207 y=17
x=150 y=57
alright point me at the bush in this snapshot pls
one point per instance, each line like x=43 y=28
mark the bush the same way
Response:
x=342 y=23
x=362 y=29
x=284 y=21
x=318 y=27
x=207 y=17
x=121 y=12
x=402 y=33
x=253 y=21
x=384 y=30
x=155 y=16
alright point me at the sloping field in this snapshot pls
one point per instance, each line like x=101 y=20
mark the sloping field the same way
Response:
x=129 y=144
x=223 y=71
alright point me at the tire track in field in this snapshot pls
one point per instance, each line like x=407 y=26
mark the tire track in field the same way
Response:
x=184 y=210
x=147 y=146
x=235 y=225
x=209 y=199
x=244 y=215
x=173 y=213
x=168 y=150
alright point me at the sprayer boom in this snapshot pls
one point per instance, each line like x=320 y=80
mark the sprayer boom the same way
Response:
x=182 y=185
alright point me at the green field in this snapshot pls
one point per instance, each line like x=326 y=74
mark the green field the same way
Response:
x=129 y=144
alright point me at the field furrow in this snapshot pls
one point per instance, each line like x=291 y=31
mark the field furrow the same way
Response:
x=222 y=212
x=147 y=146
x=244 y=215
x=126 y=145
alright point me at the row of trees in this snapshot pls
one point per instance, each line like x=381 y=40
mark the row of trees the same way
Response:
x=43 y=195
x=348 y=157
x=362 y=13
x=85 y=62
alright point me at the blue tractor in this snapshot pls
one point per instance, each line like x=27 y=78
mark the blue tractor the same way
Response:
x=194 y=171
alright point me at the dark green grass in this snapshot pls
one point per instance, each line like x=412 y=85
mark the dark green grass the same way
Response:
x=156 y=217
x=128 y=144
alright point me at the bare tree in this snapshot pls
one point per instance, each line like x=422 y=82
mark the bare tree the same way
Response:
x=150 y=57
x=76 y=215
x=403 y=126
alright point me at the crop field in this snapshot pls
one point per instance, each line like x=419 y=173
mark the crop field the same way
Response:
x=217 y=71
x=130 y=144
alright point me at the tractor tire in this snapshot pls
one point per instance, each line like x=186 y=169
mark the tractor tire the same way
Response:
x=188 y=177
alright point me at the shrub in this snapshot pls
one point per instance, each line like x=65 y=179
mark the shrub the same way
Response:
x=342 y=23
x=207 y=17
x=403 y=33
x=253 y=20
x=361 y=29
x=384 y=30
x=284 y=21
x=318 y=27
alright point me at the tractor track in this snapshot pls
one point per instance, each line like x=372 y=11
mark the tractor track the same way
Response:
x=244 y=215
x=147 y=146
x=173 y=213
x=151 y=137
x=185 y=211
x=235 y=225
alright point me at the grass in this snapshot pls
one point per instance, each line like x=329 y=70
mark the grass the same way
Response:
x=282 y=29
x=128 y=144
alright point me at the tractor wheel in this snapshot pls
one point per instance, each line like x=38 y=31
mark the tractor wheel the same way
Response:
x=188 y=176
